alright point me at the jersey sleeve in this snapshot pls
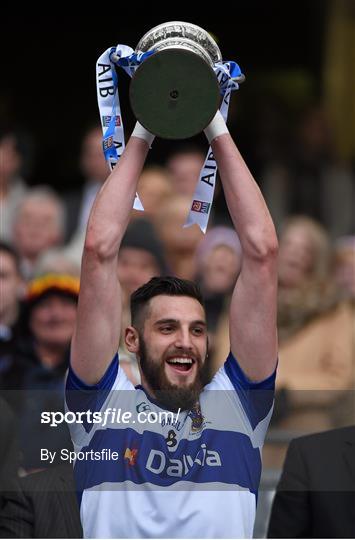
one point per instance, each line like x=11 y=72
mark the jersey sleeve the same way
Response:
x=81 y=397
x=255 y=398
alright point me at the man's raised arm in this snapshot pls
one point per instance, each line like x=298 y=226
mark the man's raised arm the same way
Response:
x=96 y=336
x=253 y=333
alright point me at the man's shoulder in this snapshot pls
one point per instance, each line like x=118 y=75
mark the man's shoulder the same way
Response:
x=323 y=461
x=60 y=478
x=43 y=505
x=219 y=381
x=323 y=439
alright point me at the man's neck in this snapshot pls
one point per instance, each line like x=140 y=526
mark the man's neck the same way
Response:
x=144 y=383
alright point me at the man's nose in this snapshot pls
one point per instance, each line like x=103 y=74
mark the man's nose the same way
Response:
x=183 y=339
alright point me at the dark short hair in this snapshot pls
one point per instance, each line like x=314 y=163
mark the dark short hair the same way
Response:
x=167 y=285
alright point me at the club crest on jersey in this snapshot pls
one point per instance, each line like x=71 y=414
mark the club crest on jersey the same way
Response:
x=196 y=418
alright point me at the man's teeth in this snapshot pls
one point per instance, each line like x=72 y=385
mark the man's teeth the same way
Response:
x=180 y=361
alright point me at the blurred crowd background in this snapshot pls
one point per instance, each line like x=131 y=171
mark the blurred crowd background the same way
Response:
x=294 y=122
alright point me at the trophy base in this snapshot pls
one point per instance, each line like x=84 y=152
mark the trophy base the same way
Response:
x=174 y=94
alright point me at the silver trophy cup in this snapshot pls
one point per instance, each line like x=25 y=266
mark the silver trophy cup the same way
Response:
x=174 y=93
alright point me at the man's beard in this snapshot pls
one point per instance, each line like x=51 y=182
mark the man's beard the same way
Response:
x=172 y=396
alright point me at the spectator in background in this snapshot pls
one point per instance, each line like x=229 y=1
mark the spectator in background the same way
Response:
x=141 y=257
x=218 y=263
x=78 y=202
x=316 y=368
x=310 y=179
x=184 y=167
x=12 y=185
x=11 y=287
x=58 y=261
x=305 y=287
x=179 y=243
x=43 y=356
x=38 y=226
x=344 y=276
x=344 y=266
x=95 y=171
x=154 y=189
x=11 y=290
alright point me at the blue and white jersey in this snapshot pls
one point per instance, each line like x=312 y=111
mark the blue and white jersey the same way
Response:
x=193 y=477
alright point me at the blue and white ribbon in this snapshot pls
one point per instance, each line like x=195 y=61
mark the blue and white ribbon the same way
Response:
x=227 y=73
x=113 y=142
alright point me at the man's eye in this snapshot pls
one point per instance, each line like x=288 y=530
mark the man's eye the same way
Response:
x=198 y=331
x=166 y=329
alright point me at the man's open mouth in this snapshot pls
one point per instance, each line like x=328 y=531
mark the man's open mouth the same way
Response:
x=181 y=364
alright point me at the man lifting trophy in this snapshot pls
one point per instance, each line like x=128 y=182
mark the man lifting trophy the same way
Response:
x=195 y=475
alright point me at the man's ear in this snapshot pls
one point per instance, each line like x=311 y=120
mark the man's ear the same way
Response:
x=132 y=339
